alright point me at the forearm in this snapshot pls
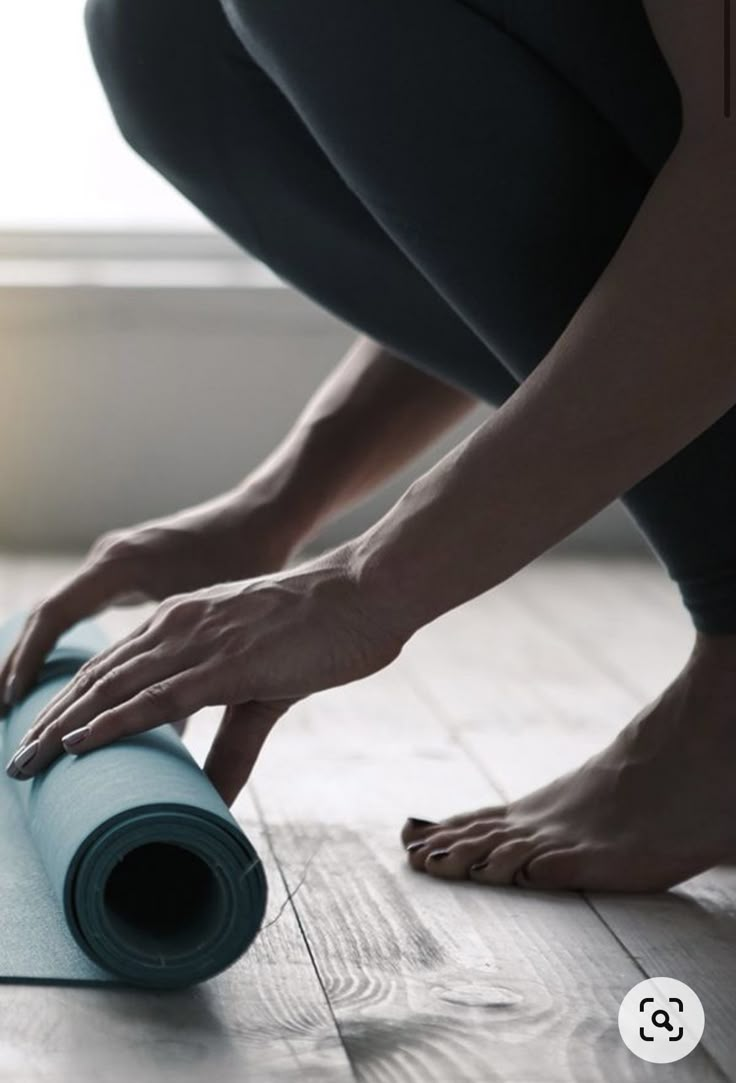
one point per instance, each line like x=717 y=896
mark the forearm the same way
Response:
x=648 y=362
x=371 y=416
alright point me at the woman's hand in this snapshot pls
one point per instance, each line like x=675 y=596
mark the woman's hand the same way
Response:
x=256 y=647
x=231 y=537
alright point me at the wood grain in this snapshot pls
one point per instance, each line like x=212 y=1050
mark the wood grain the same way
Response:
x=371 y=971
x=428 y=981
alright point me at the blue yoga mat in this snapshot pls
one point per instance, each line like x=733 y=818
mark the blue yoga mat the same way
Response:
x=120 y=866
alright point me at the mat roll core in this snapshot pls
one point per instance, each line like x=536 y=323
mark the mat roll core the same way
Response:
x=128 y=849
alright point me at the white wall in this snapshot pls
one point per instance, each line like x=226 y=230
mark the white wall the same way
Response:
x=64 y=164
x=117 y=404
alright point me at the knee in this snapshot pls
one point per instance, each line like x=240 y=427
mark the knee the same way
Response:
x=269 y=31
x=108 y=25
x=130 y=42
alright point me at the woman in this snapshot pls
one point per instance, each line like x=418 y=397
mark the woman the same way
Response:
x=529 y=203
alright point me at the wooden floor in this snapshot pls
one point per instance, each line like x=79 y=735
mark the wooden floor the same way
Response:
x=368 y=971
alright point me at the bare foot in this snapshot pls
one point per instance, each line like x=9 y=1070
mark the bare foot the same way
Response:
x=654 y=808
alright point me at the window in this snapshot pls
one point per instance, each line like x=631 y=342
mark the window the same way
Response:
x=65 y=166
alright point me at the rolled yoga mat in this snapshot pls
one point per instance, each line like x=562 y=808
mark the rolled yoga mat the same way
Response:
x=120 y=866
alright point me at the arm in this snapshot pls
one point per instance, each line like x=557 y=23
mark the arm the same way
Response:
x=371 y=416
x=618 y=395
x=647 y=363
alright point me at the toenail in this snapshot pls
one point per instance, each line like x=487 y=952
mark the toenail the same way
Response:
x=414 y=846
x=437 y=855
x=416 y=822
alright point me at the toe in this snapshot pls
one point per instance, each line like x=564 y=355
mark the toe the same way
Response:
x=453 y=860
x=417 y=853
x=414 y=829
x=479 y=815
x=557 y=870
x=502 y=864
x=442 y=837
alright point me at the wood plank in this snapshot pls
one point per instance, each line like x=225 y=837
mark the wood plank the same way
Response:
x=688 y=933
x=513 y=691
x=430 y=981
x=427 y=981
x=623 y=615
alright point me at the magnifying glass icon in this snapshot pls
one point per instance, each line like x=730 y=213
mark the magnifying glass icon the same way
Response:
x=664 y=1021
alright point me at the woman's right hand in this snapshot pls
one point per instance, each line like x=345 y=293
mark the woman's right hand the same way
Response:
x=235 y=536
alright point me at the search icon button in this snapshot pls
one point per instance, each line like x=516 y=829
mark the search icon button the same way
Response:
x=666 y=1024
x=661 y=1020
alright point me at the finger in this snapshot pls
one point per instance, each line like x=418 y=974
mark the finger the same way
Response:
x=172 y=697
x=91 y=694
x=6 y=687
x=130 y=681
x=86 y=593
x=137 y=643
x=181 y=726
x=238 y=742
x=7 y=697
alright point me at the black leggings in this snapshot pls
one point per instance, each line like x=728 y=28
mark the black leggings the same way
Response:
x=449 y=177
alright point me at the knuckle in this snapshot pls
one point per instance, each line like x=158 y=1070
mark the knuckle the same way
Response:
x=167 y=607
x=106 y=684
x=86 y=678
x=100 y=545
x=159 y=695
x=118 y=551
x=179 y=611
x=51 y=733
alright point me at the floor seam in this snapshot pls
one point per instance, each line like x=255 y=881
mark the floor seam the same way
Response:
x=640 y=967
x=305 y=937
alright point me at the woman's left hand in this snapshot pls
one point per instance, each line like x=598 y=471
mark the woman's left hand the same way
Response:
x=256 y=647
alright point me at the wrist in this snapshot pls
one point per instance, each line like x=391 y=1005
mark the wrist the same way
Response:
x=300 y=485
x=254 y=507
x=387 y=591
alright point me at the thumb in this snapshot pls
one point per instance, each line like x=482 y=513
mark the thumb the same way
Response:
x=238 y=742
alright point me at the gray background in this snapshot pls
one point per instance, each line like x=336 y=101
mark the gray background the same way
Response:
x=140 y=375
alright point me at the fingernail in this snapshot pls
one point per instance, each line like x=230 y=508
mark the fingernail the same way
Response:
x=414 y=846
x=21 y=759
x=416 y=822
x=437 y=855
x=479 y=866
x=75 y=736
x=9 y=691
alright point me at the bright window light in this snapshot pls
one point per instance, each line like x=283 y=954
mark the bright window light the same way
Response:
x=64 y=164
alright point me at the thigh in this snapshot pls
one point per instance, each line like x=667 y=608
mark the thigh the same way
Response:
x=606 y=50
x=494 y=174
x=194 y=103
